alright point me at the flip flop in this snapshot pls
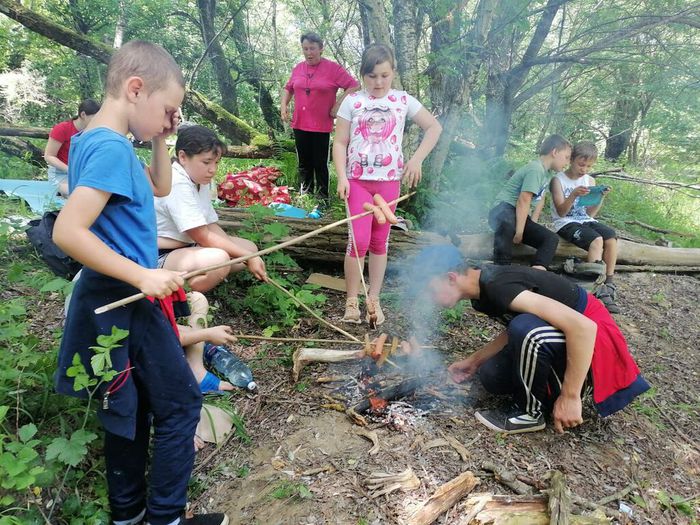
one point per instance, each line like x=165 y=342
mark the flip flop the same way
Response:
x=210 y=384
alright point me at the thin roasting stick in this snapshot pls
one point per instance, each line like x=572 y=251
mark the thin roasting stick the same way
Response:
x=237 y=260
x=370 y=309
x=274 y=283
x=312 y=340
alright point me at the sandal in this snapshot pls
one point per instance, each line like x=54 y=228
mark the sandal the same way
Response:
x=210 y=384
x=606 y=295
x=374 y=301
x=352 y=311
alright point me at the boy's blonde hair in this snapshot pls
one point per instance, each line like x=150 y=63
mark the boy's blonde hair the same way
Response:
x=553 y=142
x=585 y=149
x=146 y=60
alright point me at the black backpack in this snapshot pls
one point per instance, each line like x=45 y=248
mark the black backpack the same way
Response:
x=40 y=233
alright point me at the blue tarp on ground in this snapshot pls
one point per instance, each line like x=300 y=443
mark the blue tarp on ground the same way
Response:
x=40 y=195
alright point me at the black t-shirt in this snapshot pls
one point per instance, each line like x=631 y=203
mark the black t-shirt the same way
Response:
x=499 y=285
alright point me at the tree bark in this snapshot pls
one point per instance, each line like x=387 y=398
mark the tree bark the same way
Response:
x=378 y=22
x=222 y=72
x=251 y=72
x=22 y=149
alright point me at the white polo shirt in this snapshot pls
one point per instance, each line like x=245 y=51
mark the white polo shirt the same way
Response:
x=188 y=206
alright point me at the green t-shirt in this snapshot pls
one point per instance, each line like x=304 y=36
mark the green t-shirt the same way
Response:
x=532 y=178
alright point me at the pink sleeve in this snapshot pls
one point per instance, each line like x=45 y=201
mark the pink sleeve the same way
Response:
x=343 y=79
x=289 y=86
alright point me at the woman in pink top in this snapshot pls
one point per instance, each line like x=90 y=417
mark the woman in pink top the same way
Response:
x=58 y=145
x=314 y=84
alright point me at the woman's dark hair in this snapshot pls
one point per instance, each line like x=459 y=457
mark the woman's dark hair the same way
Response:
x=312 y=37
x=553 y=142
x=198 y=139
x=373 y=55
x=89 y=107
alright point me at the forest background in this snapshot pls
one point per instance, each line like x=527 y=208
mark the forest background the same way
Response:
x=500 y=76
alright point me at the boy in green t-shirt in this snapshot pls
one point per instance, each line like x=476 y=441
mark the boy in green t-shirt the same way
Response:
x=510 y=217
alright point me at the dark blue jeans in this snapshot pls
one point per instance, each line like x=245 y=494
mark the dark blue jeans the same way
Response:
x=502 y=222
x=169 y=402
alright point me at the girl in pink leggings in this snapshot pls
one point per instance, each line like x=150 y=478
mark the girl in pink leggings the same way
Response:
x=368 y=160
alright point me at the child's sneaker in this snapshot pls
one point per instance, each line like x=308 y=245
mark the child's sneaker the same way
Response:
x=513 y=422
x=352 y=311
x=206 y=519
x=374 y=301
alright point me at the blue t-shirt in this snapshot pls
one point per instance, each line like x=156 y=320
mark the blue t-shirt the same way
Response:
x=105 y=160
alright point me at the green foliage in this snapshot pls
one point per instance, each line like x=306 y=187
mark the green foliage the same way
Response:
x=291 y=490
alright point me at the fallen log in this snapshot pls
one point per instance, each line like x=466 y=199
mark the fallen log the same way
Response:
x=329 y=247
x=236 y=152
x=444 y=498
x=321 y=355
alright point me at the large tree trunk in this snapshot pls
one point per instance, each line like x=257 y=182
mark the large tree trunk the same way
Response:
x=229 y=124
x=251 y=72
x=378 y=22
x=227 y=88
x=329 y=247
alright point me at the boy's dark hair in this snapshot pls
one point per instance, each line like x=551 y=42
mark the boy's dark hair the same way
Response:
x=553 y=142
x=198 y=139
x=376 y=54
x=146 y=60
x=314 y=38
x=89 y=107
x=585 y=149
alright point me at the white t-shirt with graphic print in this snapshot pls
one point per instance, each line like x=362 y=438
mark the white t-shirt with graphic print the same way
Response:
x=187 y=206
x=577 y=212
x=376 y=133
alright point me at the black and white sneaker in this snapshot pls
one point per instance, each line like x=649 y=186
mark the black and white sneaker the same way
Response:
x=206 y=519
x=513 y=422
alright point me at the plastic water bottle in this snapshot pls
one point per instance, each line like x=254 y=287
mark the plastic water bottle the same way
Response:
x=228 y=365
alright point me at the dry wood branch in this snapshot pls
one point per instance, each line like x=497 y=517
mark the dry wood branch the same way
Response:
x=559 y=504
x=459 y=448
x=403 y=389
x=313 y=340
x=289 y=294
x=303 y=356
x=659 y=230
x=381 y=483
x=667 y=184
x=507 y=477
x=372 y=436
x=444 y=498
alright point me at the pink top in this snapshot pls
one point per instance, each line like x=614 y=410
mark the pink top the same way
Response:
x=314 y=89
x=62 y=132
x=376 y=133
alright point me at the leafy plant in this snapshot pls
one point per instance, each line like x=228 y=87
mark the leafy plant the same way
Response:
x=291 y=490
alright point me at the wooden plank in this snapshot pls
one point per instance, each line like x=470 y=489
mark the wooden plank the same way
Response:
x=327 y=281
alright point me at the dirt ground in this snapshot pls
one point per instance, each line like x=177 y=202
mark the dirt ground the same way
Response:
x=305 y=464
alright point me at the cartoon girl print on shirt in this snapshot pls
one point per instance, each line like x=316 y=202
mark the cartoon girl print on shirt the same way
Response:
x=376 y=125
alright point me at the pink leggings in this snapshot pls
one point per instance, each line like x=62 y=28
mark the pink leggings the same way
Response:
x=369 y=234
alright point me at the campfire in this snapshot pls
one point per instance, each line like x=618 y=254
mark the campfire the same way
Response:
x=396 y=383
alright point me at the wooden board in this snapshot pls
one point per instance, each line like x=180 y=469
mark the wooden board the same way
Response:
x=327 y=281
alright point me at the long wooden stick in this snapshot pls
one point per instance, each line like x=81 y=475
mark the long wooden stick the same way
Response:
x=312 y=340
x=237 y=260
x=281 y=288
x=371 y=313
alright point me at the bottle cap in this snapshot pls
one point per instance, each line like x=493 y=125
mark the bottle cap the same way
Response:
x=252 y=386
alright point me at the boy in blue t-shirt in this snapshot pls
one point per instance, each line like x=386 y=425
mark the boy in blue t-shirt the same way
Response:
x=109 y=225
